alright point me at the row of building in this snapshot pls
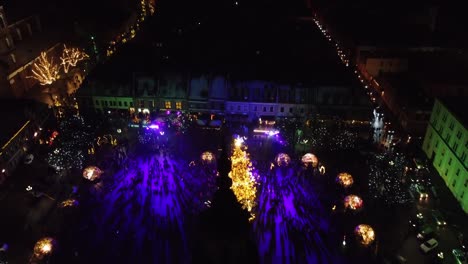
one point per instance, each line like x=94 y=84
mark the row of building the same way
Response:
x=410 y=67
x=23 y=121
x=446 y=145
x=220 y=94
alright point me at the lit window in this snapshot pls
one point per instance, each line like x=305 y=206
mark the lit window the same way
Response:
x=178 y=105
x=168 y=104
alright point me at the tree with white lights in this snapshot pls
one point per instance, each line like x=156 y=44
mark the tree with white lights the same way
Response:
x=74 y=137
x=385 y=171
x=45 y=70
x=71 y=56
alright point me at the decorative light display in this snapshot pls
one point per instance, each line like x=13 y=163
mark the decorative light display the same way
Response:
x=322 y=170
x=207 y=157
x=283 y=160
x=322 y=136
x=310 y=159
x=345 y=179
x=353 y=202
x=385 y=174
x=69 y=203
x=92 y=173
x=70 y=57
x=243 y=180
x=44 y=70
x=365 y=234
x=71 y=145
x=44 y=247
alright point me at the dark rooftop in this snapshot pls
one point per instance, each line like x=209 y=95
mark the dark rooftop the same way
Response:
x=457 y=106
x=395 y=23
x=14 y=115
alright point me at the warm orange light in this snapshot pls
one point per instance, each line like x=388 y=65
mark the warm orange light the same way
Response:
x=45 y=70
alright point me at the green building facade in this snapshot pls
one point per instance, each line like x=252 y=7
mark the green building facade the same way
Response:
x=446 y=145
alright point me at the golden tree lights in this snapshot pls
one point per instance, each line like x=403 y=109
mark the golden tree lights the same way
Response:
x=92 y=173
x=353 y=202
x=365 y=234
x=45 y=70
x=70 y=57
x=345 y=179
x=243 y=181
x=69 y=203
x=44 y=247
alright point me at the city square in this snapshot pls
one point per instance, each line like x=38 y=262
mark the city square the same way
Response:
x=232 y=132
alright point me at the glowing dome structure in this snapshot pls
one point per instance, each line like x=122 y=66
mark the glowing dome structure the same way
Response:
x=345 y=179
x=353 y=202
x=283 y=160
x=44 y=247
x=310 y=159
x=365 y=234
x=207 y=157
x=92 y=173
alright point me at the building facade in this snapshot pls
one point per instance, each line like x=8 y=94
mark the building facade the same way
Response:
x=21 y=42
x=446 y=145
x=235 y=99
x=20 y=128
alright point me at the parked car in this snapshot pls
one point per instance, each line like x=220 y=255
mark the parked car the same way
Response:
x=429 y=245
x=459 y=256
x=400 y=259
x=426 y=233
x=421 y=192
x=439 y=218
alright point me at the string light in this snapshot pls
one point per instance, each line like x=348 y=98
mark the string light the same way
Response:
x=45 y=70
x=385 y=179
x=70 y=57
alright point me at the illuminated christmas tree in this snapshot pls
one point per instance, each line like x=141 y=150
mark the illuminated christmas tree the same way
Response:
x=243 y=180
